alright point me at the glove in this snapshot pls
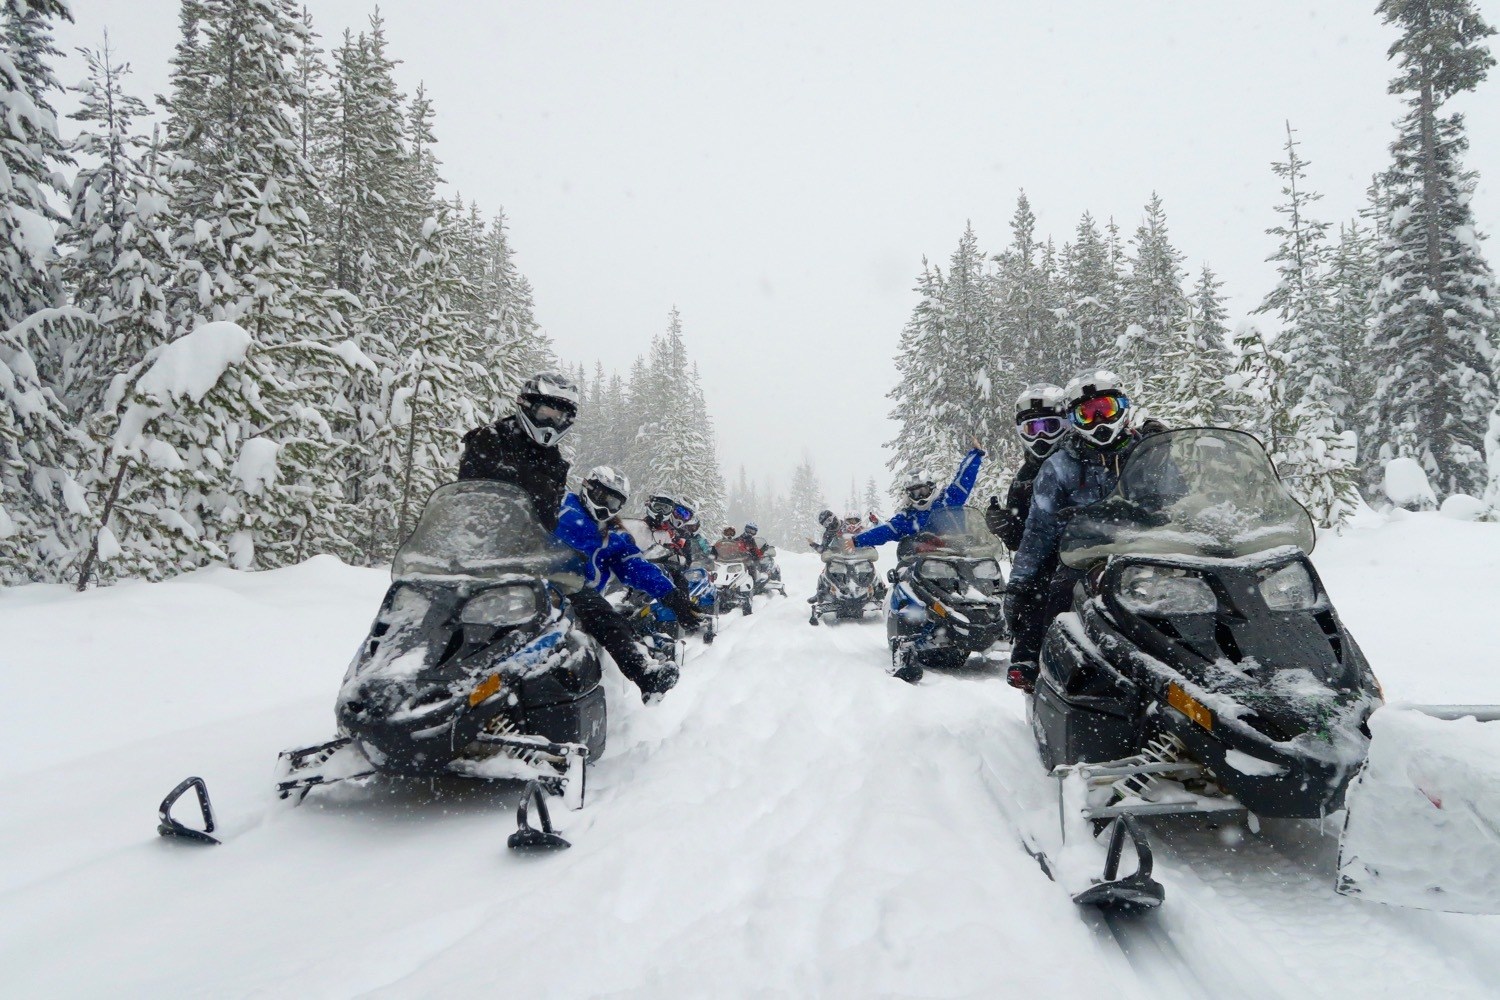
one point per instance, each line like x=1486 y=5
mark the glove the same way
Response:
x=1018 y=598
x=996 y=517
x=682 y=606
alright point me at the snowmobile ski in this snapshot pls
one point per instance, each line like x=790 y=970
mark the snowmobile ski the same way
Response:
x=170 y=827
x=528 y=837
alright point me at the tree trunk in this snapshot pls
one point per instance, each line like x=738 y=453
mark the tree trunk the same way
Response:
x=411 y=446
x=109 y=508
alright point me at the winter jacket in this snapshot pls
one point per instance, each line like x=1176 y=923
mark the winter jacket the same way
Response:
x=914 y=519
x=752 y=545
x=1009 y=522
x=832 y=538
x=504 y=451
x=1073 y=476
x=609 y=550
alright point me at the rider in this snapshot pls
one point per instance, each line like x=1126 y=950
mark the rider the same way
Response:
x=1041 y=422
x=588 y=522
x=729 y=546
x=522 y=448
x=750 y=539
x=1082 y=470
x=922 y=500
x=832 y=532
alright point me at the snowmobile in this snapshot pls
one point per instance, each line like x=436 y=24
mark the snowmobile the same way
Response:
x=849 y=586
x=767 y=573
x=655 y=622
x=734 y=584
x=947 y=594
x=1202 y=669
x=474 y=665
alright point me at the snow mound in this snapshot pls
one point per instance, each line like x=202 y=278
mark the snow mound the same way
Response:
x=191 y=365
x=1463 y=507
x=1406 y=485
x=1424 y=815
x=255 y=466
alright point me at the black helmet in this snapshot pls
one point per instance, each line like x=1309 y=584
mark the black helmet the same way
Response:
x=824 y=516
x=547 y=406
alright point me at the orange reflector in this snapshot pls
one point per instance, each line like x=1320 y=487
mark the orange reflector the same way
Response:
x=1190 y=706
x=937 y=607
x=486 y=688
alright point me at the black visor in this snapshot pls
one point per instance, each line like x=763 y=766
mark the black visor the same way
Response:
x=603 y=497
x=919 y=491
x=546 y=411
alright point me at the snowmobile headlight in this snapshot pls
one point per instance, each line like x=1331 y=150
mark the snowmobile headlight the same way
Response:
x=500 y=607
x=987 y=569
x=1165 y=590
x=939 y=571
x=837 y=572
x=1289 y=588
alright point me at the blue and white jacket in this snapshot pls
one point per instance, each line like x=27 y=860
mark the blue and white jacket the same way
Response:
x=912 y=520
x=1073 y=476
x=608 y=551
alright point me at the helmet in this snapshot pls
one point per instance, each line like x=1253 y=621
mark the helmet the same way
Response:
x=1040 y=418
x=547 y=406
x=604 y=492
x=751 y=528
x=729 y=531
x=665 y=508
x=825 y=516
x=919 y=487
x=1097 y=407
x=852 y=520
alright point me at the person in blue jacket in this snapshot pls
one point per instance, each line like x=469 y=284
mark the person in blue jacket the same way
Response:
x=922 y=500
x=1082 y=471
x=587 y=523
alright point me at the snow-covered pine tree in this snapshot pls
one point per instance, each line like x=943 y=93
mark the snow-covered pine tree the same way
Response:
x=41 y=445
x=1433 y=342
x=1353 y=275
x=1313 y=452
x=674 y=448
x=871 y=502
x=1019 y=346
x=119 y=233
x=1152 y=305
x=804 y=500
x=1090 y=303
x=1191 y=388
x=223 y=459
x=515 y=344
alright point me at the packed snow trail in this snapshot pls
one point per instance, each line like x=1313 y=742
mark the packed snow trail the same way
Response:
x=789 y=821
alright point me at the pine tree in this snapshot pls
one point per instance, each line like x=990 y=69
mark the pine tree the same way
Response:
x=1091 y=306
x=1353 y=275
x=871 y=501
x=804 y=500
x=1434 y=331
x=1153 y=305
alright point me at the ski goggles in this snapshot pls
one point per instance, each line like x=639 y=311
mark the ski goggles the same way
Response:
x=550 y=413
x=1041 y=427
x=1098 y=410
x=920 y=492
x=603 y=497
x=664 y=508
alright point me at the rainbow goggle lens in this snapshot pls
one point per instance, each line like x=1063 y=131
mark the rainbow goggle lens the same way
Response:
x=1098 y=410
x=1041 y=427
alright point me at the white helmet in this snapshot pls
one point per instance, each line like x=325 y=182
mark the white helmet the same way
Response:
x=547 y=406
x=919 y=487
x=1098 y=408
x=1040 y=418
x=604 y=492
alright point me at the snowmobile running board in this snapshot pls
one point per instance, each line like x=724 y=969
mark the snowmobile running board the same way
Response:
x=169 y=827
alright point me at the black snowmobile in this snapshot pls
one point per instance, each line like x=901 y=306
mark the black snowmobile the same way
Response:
x=849 y=586
x=768 y=573
x=1202 y=668
x=947 y=594
x=474 y=665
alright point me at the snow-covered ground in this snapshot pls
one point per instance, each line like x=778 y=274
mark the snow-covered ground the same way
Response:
x=788 y=822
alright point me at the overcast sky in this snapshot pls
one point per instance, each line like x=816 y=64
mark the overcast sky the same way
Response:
x=778 y=170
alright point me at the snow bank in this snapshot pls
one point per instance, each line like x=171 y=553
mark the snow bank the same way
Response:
x=1463 y=507
x=1424 y=815
x=191 y=365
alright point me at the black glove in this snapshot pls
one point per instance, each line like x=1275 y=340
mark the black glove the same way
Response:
x=996 y=517
x=1018 y=598
x=682 y=606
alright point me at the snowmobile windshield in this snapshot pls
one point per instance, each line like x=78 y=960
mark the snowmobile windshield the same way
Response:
x=480 y=529
x=866 y=555
x=961 y=530
x=1203 y=491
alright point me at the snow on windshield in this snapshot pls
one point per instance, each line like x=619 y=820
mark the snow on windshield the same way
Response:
x=478 y=528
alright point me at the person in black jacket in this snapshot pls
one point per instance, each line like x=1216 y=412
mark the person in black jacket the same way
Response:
x=522 y=449
x=1041 y=421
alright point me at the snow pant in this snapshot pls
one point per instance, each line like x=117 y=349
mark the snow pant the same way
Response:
x=599 y=619
x=1035 y=609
